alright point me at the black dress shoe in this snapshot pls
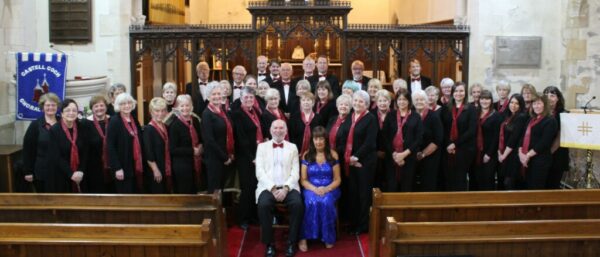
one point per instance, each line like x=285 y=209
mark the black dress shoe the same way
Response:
x=270 y=252
x=290 y=251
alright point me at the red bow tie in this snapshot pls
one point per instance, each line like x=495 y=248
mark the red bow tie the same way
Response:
x=280 y=145
x=322 y=75
x=202 y=83
x=262 y=74
x=237 y=86
x=358 y=81
x=415 y=79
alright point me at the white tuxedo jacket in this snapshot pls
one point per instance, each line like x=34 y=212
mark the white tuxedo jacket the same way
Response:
x=264 y=167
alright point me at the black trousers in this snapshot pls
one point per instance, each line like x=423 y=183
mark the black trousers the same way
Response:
x=125 y=186
x=537 y=171
x=248 y=183
x=456 y=170
x=215 y=170
x=485 y=174
x=428 y=169
x=360 y=189
x=295 y=206
x=402 y=181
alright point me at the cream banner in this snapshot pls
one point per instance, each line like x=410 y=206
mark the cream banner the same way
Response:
x=579 y=130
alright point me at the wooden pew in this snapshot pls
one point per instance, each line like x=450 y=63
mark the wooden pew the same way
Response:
x=133 y=240
x=117 y=209
x=479 y=206
x=543 y=238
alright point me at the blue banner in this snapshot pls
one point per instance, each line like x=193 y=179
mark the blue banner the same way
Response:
x=38 y=74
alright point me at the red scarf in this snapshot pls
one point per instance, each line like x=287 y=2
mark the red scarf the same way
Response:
x=454 y=129
x=350 y=140
x=320 y=106
x=252 y=115
x=162 y=131
x=424 y=114
x=334 y=130
x=398 y=142
x=306 y=135
x=230 y=139
x=226 y=105
x=257 y=107
x=195 y=142
x=480 y=136
x=502 y=107
x=137 y=151
x=527 y=137
x=373 y=105
x=501 y=141
x=104 y=146
x=74 y=156
x=381 y=118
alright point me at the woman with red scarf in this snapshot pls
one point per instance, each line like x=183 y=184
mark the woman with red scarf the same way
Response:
x=461 y=127
x=272 y=111
x=429 y=154
x=303 y=122
x=503 y=91
x=403 y=133
x=124 y=140
x=97 y=177
x=535 y=146
x=383 y=112
x=560 y=155
x=511 y=130
x=325 y=104
x=156 y=149
x=488 y=125
x=186 y=147
x=69 y=150
x=217 y=132
x=360 y=157
x=248 y=134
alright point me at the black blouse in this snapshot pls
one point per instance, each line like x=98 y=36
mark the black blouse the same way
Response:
x=364 y=143
x=120 y=145
x=61 y=149
x=214 y=133
x=327 y=111
x=245 y=134
x=467 y=127
x=180 y=140
x=491 y=129
x=154 y=148
x=542 y=135
x=513 y=130
x=412 y=132
x=433 y=130
x=36 y=143
x=296 y=127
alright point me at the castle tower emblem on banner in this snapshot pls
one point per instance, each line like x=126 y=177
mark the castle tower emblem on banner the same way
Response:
x=40 y=90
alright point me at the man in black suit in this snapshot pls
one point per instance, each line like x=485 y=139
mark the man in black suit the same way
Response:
x=308 y=66
x=273 y=75
x=199 y=98
x=239 y=73
x=357 y=74
x=322 y=68
x=416 y=80
x=286 y=87
x=261 y=64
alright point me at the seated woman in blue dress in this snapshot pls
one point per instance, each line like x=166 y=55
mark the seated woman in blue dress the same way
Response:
x=320 y=178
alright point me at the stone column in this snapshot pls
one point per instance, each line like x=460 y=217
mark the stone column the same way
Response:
x=461 y=12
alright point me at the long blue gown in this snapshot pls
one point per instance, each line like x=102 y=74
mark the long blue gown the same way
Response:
x=320 y=214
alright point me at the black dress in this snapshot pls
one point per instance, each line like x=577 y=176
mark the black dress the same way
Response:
x=296 y=128
x=560 y=159
x=185 y=180
x=542 y=136
x=245 y=153
x=402 y=179
x=508 y=171
x=459 y=163
x=380 y=173
x=36 y=155
x=97 y=180
x=485 y=173
x=360 y=180
x=214 y=133
x=60 y=152
x=428 y=167
x=154 y=151
x=120 y=153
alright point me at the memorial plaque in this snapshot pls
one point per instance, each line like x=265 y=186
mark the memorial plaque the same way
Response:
x=518 y=52
x=70 y=21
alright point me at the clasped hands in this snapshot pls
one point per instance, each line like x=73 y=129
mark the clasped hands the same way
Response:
x=280 y=193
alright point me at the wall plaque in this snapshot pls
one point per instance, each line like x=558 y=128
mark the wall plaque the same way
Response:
x=70 y=21
x=518 y=52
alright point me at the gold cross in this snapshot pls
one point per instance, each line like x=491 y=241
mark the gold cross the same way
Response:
x=584 y=128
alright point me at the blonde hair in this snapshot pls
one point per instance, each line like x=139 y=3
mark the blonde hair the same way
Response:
x=52 y=97
x=157 y=103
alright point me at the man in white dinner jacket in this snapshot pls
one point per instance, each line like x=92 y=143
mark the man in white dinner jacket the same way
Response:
x=277 y=172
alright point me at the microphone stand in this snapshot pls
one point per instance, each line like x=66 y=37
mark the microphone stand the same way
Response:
x=589 y=180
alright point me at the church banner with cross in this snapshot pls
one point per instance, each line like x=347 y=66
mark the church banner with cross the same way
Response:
x=38 y=74
x=579 y=130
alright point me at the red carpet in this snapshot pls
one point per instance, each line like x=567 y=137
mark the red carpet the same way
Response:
x=346 y=246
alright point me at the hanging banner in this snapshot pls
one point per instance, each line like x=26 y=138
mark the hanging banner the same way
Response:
x=38 y=74
x=578 y=130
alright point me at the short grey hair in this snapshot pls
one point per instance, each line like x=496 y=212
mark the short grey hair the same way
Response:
x=383 y=93
x=247 y=90
x=420 y=93
x=364 y=95
x=123 y=98
x=272 y=93
x=343 y=99
x=113 y=88
x=169 y=85
x=432 y=89
x=212 y=86
x=447 y=81
x=475 y=85
x=400 y=82
x=263 y=83
x=303 y=84
x=503 y=84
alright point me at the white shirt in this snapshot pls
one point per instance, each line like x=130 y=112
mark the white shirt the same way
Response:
x=203 y=89
x=322 y=76
x=261 y=77
x=279 y=177
x=236 y=91
x=286 y=92
x=415 y=86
